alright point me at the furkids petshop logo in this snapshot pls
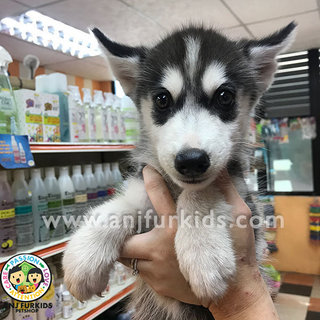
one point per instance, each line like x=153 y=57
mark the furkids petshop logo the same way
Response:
x=26 y=277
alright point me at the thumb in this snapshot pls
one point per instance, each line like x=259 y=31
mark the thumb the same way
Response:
x=232 y=195
x=158 y=192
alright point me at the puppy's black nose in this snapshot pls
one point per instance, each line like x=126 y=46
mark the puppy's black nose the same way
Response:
x=192 y=162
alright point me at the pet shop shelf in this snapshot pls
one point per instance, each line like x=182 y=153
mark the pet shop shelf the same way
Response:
x=96 y=307
x=78 y=147
x=43 y=251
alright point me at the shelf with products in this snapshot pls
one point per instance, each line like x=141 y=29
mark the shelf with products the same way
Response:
x=96 y=307
x=64 y=147
x=44 y=250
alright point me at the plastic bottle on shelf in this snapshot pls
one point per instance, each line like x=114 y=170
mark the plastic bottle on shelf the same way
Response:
x=109 y=100
x=68 y=202
x=92 y=185
x=73 y=108
x=8 y=108
x=109 y=179
x=81 y=198
x=131 y=120
x=81 y=305
x=101 y=182
x=15 y=149
x=105 y=120
x=117 y=177
x=121 y=273
x=98 y=103
x=112 y=117
x=23 y=208
x=121 y=123
x=82 y=126
x=90 y=115
x=66 y=305
x=115 y=119
x=54 y=203
x=59 y=289
x=39 y=207
x=7 y=218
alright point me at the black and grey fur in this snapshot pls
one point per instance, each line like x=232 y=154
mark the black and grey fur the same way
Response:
x=194 y=91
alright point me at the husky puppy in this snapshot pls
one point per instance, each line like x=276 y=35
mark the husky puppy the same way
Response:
x=194 y=91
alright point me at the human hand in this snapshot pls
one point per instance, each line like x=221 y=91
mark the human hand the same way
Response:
x=158 y=265
x=157 y=261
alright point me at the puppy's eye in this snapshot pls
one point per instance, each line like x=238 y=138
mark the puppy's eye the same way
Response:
x=163 y=100
x=224 y=97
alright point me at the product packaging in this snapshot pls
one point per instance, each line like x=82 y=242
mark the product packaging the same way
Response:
x=51 y=117
x=31 y=114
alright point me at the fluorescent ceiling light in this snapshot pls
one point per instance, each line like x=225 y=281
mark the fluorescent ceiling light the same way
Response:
x=44 y=31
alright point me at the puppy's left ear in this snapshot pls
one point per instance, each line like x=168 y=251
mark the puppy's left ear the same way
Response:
x=123 y=60
x=263 y=54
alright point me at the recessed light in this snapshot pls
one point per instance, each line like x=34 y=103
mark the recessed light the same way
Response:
x=44 y=31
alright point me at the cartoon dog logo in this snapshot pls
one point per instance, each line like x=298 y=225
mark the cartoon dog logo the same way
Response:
x=22 y=289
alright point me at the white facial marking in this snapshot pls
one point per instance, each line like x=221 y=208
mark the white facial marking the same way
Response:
x=173 y=81
x=194 y=128
x=213 y=77
x=192 y=55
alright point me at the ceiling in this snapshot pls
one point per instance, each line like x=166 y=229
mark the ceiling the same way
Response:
x=144 y=21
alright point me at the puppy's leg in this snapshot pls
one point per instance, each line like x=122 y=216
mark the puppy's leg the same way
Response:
x=204 y=247
x=96 y=245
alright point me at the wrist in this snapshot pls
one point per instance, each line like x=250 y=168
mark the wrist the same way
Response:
x=245 y=300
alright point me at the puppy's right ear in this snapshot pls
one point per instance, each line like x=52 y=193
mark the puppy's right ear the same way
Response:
x=123 y=60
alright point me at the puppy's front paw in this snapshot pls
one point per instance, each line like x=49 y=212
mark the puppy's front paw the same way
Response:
x=210 y=279
x=209 y=267
x=87 y=263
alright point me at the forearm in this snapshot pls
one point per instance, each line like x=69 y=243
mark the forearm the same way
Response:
x=251 y=301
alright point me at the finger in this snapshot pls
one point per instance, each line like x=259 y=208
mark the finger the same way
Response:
x=232 y=195
x=241 y=211
x=137 y=246
x=143 y=266
x=158 y=192
x=125 y=261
